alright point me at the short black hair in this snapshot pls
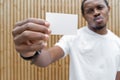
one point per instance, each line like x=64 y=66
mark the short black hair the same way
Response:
x=82 y=6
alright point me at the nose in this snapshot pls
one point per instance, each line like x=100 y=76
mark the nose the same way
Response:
x=96 y=13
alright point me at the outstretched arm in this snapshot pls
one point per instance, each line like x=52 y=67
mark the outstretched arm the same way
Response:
x=30 y=36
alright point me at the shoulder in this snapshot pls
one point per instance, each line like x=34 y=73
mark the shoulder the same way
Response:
x=72 y=37
x=114 y=37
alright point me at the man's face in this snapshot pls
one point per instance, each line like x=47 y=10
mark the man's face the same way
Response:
x=96 y=13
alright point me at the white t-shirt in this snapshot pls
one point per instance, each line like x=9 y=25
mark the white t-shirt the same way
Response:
x=92 y=56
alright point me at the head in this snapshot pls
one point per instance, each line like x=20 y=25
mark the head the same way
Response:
x=96 y=13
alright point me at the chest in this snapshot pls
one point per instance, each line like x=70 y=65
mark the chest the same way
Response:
x=95 y=50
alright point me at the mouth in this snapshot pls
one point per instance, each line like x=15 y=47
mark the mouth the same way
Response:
x=98 y=19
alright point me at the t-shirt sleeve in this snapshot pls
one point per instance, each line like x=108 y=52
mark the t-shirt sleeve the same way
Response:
x=119 y=63
x=64 y=44
x=118 y=68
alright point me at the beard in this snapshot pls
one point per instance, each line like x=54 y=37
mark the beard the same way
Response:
x=98 y=27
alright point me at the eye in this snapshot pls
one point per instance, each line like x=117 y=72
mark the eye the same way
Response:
x=89 y=11
x=100 y=7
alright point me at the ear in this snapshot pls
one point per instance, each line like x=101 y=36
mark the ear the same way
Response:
x=84 y=16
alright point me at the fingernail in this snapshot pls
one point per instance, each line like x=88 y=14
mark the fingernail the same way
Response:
x=47 y=24
x=46 y=37
x=49 y=31
x=45 y=43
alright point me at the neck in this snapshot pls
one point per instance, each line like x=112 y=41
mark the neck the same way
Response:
x=101 y=31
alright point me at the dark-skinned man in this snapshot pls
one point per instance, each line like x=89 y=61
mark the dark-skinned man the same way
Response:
x=94 y=51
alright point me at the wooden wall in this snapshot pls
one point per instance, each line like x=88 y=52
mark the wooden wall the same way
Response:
x=12 y=67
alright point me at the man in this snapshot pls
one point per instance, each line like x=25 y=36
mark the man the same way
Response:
x=94 y=51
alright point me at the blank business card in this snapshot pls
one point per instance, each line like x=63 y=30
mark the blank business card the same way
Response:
x=62 y=24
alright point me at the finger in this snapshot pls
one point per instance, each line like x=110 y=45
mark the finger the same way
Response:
x=31 y=48
x=30 y=35
x=32 y=20
x=31 y=27
x=47 y=24
x=35 y=42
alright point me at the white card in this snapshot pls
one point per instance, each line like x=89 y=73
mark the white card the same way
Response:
x=62 y=24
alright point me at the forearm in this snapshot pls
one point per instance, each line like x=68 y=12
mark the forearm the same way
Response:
x=49 y=56
x=43 y=59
